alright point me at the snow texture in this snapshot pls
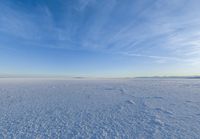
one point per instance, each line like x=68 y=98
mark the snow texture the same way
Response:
x=114 y=109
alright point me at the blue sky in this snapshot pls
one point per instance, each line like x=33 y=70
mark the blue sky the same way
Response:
x=115 y=38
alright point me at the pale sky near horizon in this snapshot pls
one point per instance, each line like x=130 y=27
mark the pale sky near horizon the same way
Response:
x=107 y=38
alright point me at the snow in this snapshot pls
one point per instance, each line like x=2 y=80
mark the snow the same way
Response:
x=115 y=108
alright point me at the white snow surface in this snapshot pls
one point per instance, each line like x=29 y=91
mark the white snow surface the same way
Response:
x=98 y=109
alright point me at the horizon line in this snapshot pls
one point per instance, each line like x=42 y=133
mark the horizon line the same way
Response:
x=88 y=77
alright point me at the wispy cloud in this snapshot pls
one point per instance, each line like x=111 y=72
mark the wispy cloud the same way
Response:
x=156 y=29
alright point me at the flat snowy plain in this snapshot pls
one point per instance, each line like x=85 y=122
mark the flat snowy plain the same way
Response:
x=115 y=108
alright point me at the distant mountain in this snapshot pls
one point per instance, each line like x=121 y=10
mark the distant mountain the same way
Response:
x=173 y=77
